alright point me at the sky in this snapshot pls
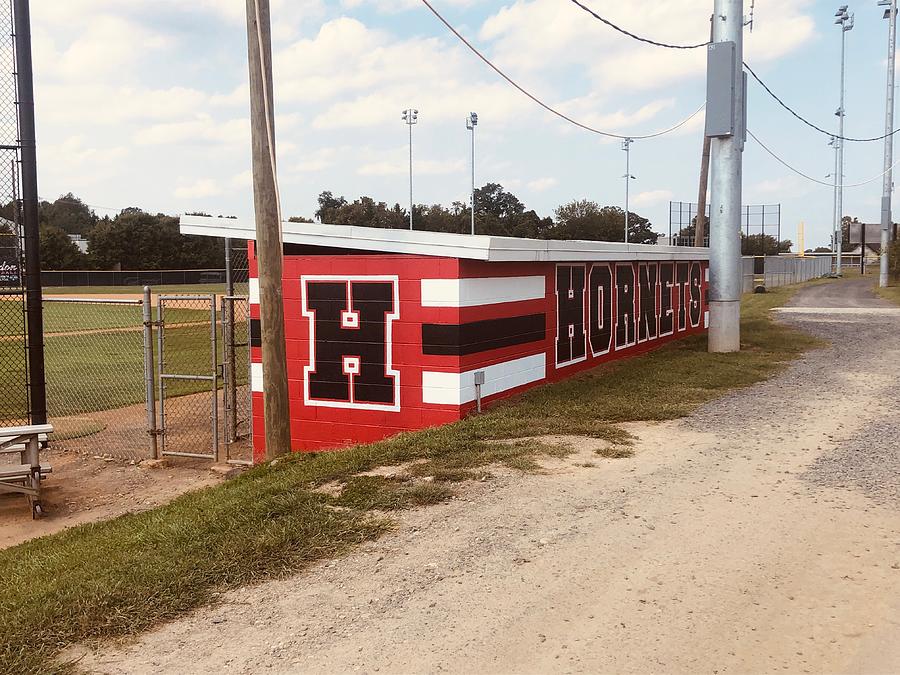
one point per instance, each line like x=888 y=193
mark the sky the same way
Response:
x=145 y=103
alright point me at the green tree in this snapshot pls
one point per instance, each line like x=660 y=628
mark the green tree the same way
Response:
x=69 y=214
x=58 y=252
x=138 y=240
x=300 y=219
x=585 y=219
x=499 y=212
x=759 y=244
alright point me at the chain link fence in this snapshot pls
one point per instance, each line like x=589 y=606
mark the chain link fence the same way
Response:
x=189 y=380
x=13 y=360
x=96 y=378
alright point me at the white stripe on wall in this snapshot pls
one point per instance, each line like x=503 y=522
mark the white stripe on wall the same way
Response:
x=459 y=388
x=256 y=377
x=254 y=291
x=484 y=291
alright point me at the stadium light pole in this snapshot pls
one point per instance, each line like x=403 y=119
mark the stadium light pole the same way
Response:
x=725 y=125
x=626 y=146
x=471 y=123
x=845 y=20
x=886 y=217
x=835 y=220
x=411 y=117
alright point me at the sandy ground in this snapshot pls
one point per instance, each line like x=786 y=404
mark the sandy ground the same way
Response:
x=754 y=536
x=84 y=489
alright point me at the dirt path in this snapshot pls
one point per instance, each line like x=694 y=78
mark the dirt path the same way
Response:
x=759 y=534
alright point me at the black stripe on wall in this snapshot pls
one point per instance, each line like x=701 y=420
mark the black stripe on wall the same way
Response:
x=255 y=333
x=481 y=336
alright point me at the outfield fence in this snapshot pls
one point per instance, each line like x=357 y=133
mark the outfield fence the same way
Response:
x=782 y=271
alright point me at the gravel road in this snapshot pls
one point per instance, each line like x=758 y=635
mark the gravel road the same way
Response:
x=760 y=534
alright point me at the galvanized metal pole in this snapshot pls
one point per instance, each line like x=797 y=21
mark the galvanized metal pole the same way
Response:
x=888 y=151
x=150 y=373
x=834 y=208
x=472 y=126
x=230 y=357
x=845 y=21
x=34 y=301
x=410 y=178
x=726 y=176
x=269 y=247
x=626 y=146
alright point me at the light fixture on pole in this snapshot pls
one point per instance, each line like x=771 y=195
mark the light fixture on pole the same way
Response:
x=626 y=146
x=891 y=14
x=411 y=117
x=845 y=20
x=471 y=123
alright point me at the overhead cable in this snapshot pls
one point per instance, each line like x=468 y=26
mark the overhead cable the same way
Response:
x=749 y=70
x=810 y=178
x=545 y=106
x=807 y=122
x=637 y=37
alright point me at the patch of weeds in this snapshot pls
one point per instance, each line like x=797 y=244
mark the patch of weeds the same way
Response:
x=614 y=452
x=426 y=494
x=367 y=493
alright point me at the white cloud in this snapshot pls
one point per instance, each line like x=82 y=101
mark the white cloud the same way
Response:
x=202 y=130
x=204 y=187
x=652 y=197
x=570 y=37
x=541 y=184
x=427 y=167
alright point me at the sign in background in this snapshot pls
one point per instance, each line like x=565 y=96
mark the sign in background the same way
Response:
x=10 y=268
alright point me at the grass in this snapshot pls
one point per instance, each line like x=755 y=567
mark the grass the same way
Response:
x=891 y=293
x=122 y=576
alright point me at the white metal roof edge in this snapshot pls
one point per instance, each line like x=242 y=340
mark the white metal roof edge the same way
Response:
x=443 y=244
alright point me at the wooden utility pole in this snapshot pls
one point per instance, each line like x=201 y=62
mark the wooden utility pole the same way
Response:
x=700 y=224
x=269 y=250
x=700 y=221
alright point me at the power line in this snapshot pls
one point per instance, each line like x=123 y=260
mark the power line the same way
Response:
x=636 y=37
x=749 y=70
x=810 y=178
x=806 y=121
x=545 y=106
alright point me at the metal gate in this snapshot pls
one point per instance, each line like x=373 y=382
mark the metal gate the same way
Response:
x=189 y=376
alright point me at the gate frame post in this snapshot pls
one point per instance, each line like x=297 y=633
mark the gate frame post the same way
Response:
x=150 y=373
x=213 y=336
x=161 y=388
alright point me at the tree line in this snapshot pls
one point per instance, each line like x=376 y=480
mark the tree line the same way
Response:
x=133 y=239
x=498 y=212
x=138 y=240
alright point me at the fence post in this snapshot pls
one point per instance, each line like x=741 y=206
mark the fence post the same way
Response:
x=149 y=373
x=213 y=325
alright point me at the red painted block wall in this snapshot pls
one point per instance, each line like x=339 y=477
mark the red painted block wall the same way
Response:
x=379 y=344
